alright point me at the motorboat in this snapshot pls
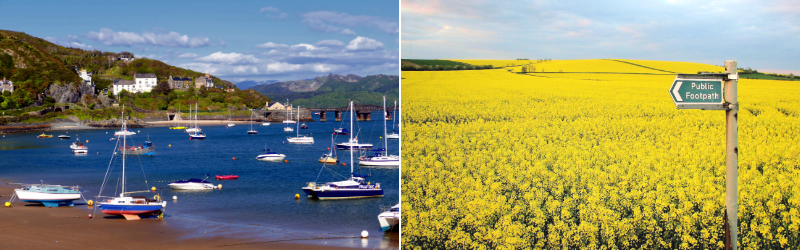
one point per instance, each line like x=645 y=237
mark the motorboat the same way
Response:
x=131 y=207
x=48 y=195
x=79 y=148
x=44 y=136
x=197 y=136
x=353 y=144
x=226 y=177
x=304 y=126
x=288 y=129
x=269 y=155
x=390 y=219
x=300 y=139
x=265 y=123
x=63 y=137
x=146 y=148
x=191 y=184
x=231 y=125
x=341 y=131
x=354 y=187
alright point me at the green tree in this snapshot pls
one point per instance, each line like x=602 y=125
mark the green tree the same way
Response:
x=162 y=88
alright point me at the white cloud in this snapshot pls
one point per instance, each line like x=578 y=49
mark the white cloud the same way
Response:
x=229 y=58
x=304 y=46
x=188 y=55
x=364 y=43
x=269 y=8
x=325 y=20
x=168 y=39
x=347 y=32
x=69 y=41
x=331 y=43
x=271 y=45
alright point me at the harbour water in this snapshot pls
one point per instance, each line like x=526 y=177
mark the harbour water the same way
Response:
x=260 y=204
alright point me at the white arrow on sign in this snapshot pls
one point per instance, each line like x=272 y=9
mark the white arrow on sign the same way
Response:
x=675 y=91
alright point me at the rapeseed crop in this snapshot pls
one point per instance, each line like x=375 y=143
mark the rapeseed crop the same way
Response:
x=500 y=160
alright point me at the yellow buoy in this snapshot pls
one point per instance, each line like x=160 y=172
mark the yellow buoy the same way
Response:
x=153 y=189
x=170 y=145
x=90 y=203
x=297 y=196
x=8 y=204
x=87 y=141
x=219 y=186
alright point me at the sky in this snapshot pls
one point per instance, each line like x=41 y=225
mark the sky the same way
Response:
x=233 y=40
x=758 y=34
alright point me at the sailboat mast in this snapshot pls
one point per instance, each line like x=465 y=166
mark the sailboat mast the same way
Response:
x=124 y=145
x=385 y=140
x=298 y=121
x=351 y=138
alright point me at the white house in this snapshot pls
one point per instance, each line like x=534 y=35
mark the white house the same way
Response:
x=144 y=82
x=87 y=76
x=123 y=84
x=6 y=85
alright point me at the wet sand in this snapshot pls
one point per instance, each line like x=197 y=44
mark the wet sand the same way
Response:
x=33 y=226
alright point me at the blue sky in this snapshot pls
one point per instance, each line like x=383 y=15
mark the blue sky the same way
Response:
x=761 y=34
x=234 y=40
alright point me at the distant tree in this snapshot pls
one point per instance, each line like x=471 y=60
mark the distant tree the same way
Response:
x=101 y=84
x=162 y=88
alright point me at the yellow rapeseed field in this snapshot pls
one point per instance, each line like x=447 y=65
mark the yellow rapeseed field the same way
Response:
x=497 y=63
x=500 y=160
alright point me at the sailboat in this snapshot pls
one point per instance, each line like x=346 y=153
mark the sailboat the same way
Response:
x=304 y=139
x=230 y=124
x=352 y=144
x=177 y=126
x=290 y=115
x=252 y=131
x=394 y=134
x=330 y=157
x=196 y=135
x=354 y=187
x=131 y=207
x=380 y=159
x=194 y=129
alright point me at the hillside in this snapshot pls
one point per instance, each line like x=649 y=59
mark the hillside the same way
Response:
x=334 y=90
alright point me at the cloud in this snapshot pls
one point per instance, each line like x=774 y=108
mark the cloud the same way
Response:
x=331 y=43
x=328 y=21
x=168 y=39
x=229 y=59
x=277 y=15
x=69 y=41
x=347 y=32
x=188 y=55
x=364 y=43
x=270 y=45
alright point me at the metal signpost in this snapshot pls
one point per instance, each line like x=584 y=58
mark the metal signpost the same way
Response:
x=707 y=92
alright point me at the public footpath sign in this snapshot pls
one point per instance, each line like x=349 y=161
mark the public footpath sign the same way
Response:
x=703 y=91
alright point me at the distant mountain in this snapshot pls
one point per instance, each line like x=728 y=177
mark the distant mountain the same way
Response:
x=334 y=90
x=250 y=83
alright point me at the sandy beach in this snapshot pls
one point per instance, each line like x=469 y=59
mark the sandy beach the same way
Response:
x=32 y=226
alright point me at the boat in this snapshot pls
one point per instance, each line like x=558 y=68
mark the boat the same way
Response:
x=390 y=219
x=145 y=148
x=78 y=148
x=304 y=126
x=130 y=207
x=197 y=136
x=354 y=187
x=290 y=120
x=194 y=129
x=177 y=126
x=394 y=134
x=288 y=129
x=300 y=139
x=63 y=137
x=230 y=124
x=44 y=136
x=48 y=195
x=330 y=157
x=353 y=144
x=191 y=184
x=226 y=177
x=252 y=131
x=380 y=159
x=195 y=132
x=265 y=123
x=341 y=131
x=269 y=155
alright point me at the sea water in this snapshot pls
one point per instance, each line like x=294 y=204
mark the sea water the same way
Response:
x=260 y=205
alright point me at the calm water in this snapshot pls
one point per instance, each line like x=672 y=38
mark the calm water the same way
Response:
x=259 y=203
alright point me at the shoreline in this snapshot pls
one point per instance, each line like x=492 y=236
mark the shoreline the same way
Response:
x=33 y=226
x=74 y=126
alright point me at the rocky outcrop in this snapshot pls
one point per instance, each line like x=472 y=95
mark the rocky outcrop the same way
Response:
x=69 y=92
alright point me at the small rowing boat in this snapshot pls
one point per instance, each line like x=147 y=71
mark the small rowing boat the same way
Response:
x=227 y=177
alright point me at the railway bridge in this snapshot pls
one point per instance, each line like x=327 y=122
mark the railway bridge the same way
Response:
x=363 y=112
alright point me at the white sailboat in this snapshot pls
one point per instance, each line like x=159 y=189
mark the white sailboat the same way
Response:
x=196 y=134
x=380 y=159
x=230 y=124
x=394 y=134
x=252 y=131
x=304 y=139
x=290 y=120
x=131 y=207
x=193 y=129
